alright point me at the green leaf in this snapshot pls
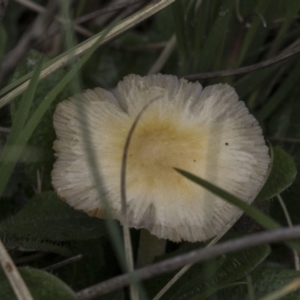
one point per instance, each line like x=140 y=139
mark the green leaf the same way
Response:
x=98 y=263
x=283 y=126
x=265 y=281
x=21 y=115
x=261 y=7
x=38 y=154
x=179 y=25
x=213 y=290
x=6 y=169
x=208 y=277
x=249 y=210
x=235 y=266
x=281 y=94
x=18 y=124
x=42 y=285
x=282 y=175
x=250 y=82
x=291 y=12
x=46 y=217
x=30 y=245
x=215 y=36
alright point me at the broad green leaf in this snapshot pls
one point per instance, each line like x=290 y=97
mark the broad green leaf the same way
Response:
x=282 y=175
x=210 y=276
x=265 y=281
x=46 y=217
x=32 y=245
x=98 y=263
x=154 y=285
x=236 y=266
x=284 y=129
x=42 y=285
x=213 y=290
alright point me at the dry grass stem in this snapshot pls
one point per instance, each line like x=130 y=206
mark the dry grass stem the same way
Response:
x=187 y=267
x=196 y=256
x=212 y=242
x=16 y=281
x=40 y=9
x=144 y=47
x=11 y=60
x=164 y=56
x=79 y=50
x=5 y=129
x=63 y=263
x=106 y=10
x=247 y=69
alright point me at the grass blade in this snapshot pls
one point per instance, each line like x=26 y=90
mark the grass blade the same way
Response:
x=23 y=110
x=179 y=25
x=292 y=10
x=260 y=8
x=215 y=35
x=249 y=210
x=16 y=88
x=280 y=95
x=12 y=157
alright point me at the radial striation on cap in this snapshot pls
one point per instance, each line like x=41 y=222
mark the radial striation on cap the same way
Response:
x=207 y=132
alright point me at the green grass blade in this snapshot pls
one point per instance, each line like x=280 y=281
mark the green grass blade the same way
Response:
x=261 y=7
x=250 y=82
x=12 y=157
x=201 y=25
x=256 y=214
x=249 y=210
x=23 y=110
x=113 y=229
x=179 y=25
x=280 y=95
x=16 y=88
x=215 y=35
x=292 y=11
x=19 y=120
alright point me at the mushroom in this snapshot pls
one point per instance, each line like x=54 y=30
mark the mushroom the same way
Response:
x=207 y=132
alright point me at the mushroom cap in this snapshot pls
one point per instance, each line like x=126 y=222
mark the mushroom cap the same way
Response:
x=207 y=132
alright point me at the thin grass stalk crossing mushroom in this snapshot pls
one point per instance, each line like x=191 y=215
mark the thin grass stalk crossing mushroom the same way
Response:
x=207 y=132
